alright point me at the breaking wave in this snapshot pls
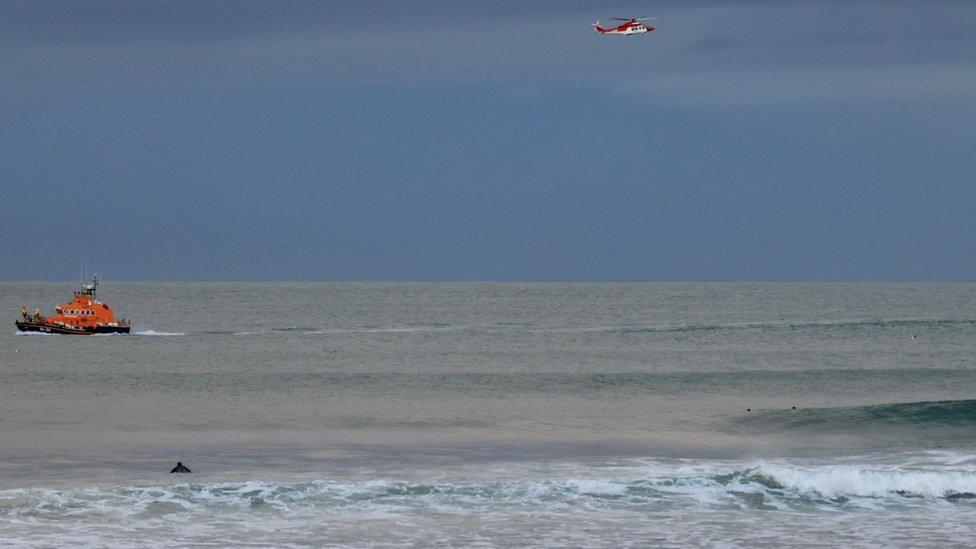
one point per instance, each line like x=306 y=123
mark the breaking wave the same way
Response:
x=769 y=486
x=778 y=502
x=851 y=482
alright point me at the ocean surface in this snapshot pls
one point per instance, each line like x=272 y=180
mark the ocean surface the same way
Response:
x=494 y=414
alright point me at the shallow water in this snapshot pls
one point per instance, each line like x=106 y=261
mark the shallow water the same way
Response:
x=579 y=414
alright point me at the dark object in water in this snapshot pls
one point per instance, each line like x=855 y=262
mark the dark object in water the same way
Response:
x=180 y=468
x=922 y=414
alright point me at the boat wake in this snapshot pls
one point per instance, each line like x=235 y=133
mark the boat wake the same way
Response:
x=155 y=333
x=307 y=330
x=918 y=323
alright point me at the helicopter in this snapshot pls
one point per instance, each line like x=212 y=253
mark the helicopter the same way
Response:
x=630 y=26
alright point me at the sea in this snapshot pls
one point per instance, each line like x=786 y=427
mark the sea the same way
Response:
x=494 y=414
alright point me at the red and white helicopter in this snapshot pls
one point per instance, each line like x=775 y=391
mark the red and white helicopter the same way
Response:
x=630 y=26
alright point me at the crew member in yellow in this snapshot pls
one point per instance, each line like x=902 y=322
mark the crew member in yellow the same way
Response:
x=23 y=312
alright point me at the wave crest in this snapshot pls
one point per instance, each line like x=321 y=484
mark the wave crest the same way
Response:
x=846 y=482
x=957 y=413
x=767 y=486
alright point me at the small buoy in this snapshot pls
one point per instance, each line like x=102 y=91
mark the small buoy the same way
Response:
x=794 y=407
x=748 y=409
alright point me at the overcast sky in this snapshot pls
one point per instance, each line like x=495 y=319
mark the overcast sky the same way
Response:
x=742 y=140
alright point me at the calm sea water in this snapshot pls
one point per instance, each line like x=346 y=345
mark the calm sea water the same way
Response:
x=496 y=414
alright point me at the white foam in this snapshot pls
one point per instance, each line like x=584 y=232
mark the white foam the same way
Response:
x=676 y=501
x=850 y=481
x=155 y=333
x=597 y=487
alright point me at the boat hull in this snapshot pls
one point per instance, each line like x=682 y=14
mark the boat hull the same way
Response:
x=28 y=326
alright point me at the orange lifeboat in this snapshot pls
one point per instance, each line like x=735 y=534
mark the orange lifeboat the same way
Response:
x=83 y=315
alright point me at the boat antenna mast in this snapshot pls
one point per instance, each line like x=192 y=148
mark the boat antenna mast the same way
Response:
x=89 y=288
x=93 y=285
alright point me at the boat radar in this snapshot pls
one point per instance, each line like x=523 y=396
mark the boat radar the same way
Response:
x=83 y=315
